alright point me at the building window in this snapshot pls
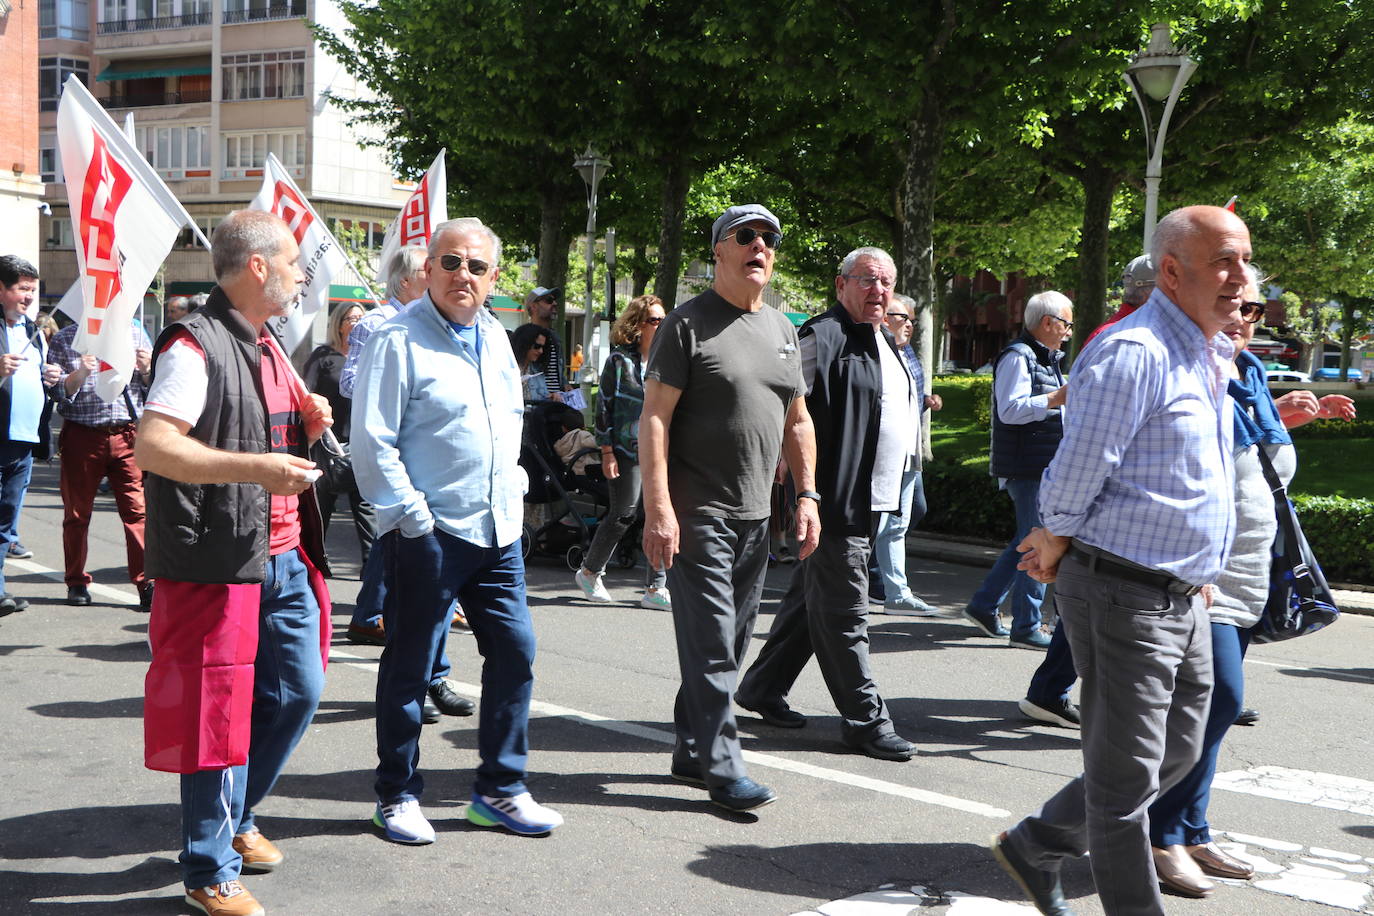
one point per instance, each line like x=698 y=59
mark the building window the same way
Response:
x=64 y=19
x=187 y=237
x=177 y=150
x=49 y=164
x=246 y=154
x=52 y=73
x=264 y=75
x=253 y=10
x=59 y=233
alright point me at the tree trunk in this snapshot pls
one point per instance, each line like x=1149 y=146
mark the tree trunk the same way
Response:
x=639 y=275
x=1348 y=307
x=676 y=183
x=1090 y=298
x=925 y=139
x=554 y=240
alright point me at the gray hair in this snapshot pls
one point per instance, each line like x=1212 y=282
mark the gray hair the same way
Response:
x=463 y=226
x=905 y=302
x=199 y=300
x=405 y=264
x=1042 y=304
x=179 y=302
x=243 y=234
x=1171 y=235
x=868 y=251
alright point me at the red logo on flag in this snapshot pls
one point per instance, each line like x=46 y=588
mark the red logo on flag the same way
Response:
x=291 y=208
x=104 y=188
x=415 y=216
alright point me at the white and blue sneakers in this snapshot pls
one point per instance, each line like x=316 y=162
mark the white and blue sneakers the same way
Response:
x=519 y=814
x=404 y=822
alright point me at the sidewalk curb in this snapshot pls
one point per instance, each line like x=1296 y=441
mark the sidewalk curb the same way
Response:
x=984 y=554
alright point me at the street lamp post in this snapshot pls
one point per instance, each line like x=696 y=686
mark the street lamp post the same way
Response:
x=1160 y=71
x=592 y=167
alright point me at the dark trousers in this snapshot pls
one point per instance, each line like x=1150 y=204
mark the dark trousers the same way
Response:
x=16 y=466
x=825 y=612
x=1055 y=676
x=88 y=455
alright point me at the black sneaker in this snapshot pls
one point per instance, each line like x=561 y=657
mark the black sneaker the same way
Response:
x=1042 y=887
x=987 y=624
x=742 y=795
x=1059 y=712
x=10 y=604
x=450 y=703
x=18 y=551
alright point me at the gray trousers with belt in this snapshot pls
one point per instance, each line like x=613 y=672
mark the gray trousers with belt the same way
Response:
x=716 y=581
x=825 y=611
x=1145 y=657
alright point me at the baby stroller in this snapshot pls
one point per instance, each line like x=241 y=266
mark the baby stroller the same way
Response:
x=570 y=497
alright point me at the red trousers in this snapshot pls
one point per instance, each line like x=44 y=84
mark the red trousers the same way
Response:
x=88 y=455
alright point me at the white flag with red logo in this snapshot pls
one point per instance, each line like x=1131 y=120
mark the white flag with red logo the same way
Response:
x=322 y=259
x=124 y=221
x=426 y=208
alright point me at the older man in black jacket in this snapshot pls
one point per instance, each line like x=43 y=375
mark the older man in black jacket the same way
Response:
x=864 y=407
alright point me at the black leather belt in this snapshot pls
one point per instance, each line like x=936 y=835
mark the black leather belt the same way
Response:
x=1096 y=559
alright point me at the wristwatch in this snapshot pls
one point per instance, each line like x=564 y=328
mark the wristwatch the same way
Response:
x=809 y=494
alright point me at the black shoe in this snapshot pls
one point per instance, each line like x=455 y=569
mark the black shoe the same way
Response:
x=987 y=624
x=888 y=747
x=145 y=596
x=1041 y=887
x=1247 y=716
x=778 y=714
x=10 y=604
x=1059 y=712
x=690 y=773
x=429 y=713
x=742 y=795
x=18 y=551
x=78 y=595
x=450 y=703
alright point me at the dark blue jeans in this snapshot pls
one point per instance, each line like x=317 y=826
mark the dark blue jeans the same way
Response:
x=1179 y=816
x=371 y=608
x=16 y=465
x=427 y=574
x=1055 y=676
x=1026 y=594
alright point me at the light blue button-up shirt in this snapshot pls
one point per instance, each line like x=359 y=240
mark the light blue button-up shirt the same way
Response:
x=357 y=337
x=436 y=429
x=1144 y=469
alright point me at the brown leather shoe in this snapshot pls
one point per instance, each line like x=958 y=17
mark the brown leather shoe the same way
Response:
x=366 y=635
x=1179 y=873
x=459 y=621
x=259 y=853
x=1213 y=861
x=228 y=899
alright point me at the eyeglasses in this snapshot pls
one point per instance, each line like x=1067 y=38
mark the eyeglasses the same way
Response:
x=746 y=235
x=653 y=321
x=899 y=317
x=1251 y=312
x=1068 y=325
x=536 y=346
x=870 y=281
x=451 y=263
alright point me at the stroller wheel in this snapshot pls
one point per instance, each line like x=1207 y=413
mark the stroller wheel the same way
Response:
x=574 y=557
x=526 y=541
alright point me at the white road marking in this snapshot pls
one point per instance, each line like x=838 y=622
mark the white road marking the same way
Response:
x=1320 y=790
x=112 y=595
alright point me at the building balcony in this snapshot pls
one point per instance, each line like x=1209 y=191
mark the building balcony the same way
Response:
x=121 y=26
x=293 y=10
x=148 y=99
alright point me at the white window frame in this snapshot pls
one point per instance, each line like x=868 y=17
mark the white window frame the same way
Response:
x=245 y=152
x=246 y=75
x=168 y=148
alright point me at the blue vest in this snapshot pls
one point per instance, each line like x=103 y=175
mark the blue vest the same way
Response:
x=1024 y=450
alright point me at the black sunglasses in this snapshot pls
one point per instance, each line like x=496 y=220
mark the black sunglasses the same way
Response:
x=745 y=235
x=451 y=263
x=899 y=316
x=537 y=346
x=1251 y=312
x=653 y=321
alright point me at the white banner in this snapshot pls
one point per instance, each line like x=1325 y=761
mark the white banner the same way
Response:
x=426 y=208
x=322 y=259
x=124 y=221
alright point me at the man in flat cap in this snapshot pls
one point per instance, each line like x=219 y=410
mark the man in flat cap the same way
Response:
x=541 y=304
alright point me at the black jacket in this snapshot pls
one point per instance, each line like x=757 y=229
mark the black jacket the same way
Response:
x=43 y=447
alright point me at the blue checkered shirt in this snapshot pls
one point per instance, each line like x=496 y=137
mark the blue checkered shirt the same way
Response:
x=86 y=407
x=1144 y=470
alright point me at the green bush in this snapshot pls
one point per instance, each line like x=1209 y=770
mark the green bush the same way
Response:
x=1340 y=531
x=963 y=499
x=1359 y=428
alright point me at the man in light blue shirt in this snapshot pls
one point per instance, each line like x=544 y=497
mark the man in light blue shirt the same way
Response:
x=1137 y=504
x=437 y=420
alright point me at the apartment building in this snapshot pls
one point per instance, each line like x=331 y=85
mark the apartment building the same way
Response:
x=213 y=86
x=21 y=191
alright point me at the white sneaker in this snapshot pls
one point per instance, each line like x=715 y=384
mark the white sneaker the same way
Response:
x=592 y=587
x=404 y=822
x=519 y=813
x=657 y=599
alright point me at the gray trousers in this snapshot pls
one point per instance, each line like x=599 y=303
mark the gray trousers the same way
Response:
x=716 y=581
x=1145 y=657
x=825 y=611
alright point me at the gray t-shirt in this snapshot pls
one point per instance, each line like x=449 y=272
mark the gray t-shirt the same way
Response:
x=738 y=372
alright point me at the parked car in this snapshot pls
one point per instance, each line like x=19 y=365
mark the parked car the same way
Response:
x=1329 y=374
x=1268 y=349
x=1286 y=375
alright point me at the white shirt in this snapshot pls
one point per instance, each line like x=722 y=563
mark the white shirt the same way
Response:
x=896 y=430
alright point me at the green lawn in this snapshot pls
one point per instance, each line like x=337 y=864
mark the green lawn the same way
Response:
x=1326 y=467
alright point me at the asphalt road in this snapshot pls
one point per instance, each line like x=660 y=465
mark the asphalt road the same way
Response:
x=84 y=828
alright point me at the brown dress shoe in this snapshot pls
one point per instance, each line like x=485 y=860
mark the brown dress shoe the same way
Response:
x=459 y=621
x=366 y=635
x=227 y=899
x=259 y=853
x=1213 y=861
x=1179 y=873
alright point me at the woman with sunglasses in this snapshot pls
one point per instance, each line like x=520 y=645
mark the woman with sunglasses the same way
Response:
x=530 y=342
x=1184 y=851
x=618 y=405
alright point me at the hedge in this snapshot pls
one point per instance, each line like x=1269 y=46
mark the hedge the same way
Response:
x=1359 y=428
x=963 y=499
